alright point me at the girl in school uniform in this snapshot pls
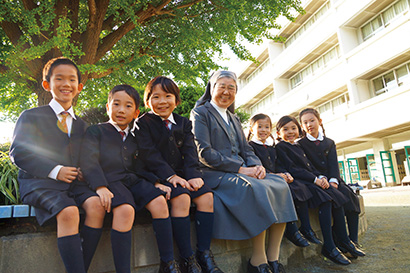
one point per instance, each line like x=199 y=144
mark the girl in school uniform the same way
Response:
x=168 y=150
x=321 y=151
x=262 y=142
x=328 y=199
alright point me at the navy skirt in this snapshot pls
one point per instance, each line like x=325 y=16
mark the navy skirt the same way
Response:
x=353 y=203
x=324 y=195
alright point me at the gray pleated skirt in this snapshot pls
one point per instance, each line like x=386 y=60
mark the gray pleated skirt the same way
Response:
x=246 y=206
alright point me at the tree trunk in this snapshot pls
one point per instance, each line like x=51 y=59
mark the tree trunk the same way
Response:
x=43 y=97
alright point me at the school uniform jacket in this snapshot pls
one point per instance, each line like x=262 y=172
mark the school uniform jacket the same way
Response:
x=296 y=162
x=106 y=158
x=168 y=152
x=322 y=156
x=268 y=156
x=324 y=159
x=39 y=145
x=214 y=144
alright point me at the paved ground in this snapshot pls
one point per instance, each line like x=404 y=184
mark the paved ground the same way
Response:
x=386 y=242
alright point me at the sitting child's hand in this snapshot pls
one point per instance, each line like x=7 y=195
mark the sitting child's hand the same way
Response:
x=333 y=184
x=67 y=174
x=289 y=177
x=179 y=180
x=196 y=183
x=105 y=197
x=80 y=176
x=322 y=182
x=165 y=189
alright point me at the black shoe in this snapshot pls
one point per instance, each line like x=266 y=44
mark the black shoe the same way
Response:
x=297 y=239
x=262 y=268
x=206 y=260
x=310 y=235
x=276 y=267
x=335 y=256
x=170 y=267
x=190 y=265
x=352 y=249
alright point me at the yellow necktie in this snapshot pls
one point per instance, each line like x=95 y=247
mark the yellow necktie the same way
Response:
x=62 y=124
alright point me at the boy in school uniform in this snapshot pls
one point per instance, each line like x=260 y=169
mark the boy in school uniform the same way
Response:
x=45 y=147
x=108 y=158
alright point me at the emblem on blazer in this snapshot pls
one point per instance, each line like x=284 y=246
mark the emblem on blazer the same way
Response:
x=326 y=152
x=136 y=153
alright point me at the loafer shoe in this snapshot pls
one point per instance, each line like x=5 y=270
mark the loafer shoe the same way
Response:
x=276 y=267
x=263 y=268
x=297 y=239
x=310 y=235
x=206 y=260
x=189 y=265
x=335 y=256
x=169 y=267
x=352 y=249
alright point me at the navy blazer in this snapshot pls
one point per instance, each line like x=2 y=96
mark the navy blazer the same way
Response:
x=106 y=158
x=38 y=146
x=168 y=152
x=267 y=155
x=215 y=147
x=322 y=156
x=295 y=161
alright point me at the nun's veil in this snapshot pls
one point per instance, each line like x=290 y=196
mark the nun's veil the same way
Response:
x=211 y=84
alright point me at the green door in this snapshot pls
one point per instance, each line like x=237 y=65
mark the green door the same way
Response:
x=407 y=151
x=371 y=166
x=354 y=171
x=342 y=170
x=387 y=165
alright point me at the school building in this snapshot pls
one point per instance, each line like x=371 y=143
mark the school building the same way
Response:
x=350 y=60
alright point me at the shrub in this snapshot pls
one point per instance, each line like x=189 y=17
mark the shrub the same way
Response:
x=9 y=188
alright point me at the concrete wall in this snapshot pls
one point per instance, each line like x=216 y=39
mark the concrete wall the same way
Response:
x=37 y=252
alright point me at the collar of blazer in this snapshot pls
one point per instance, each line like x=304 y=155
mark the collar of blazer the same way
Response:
x=221 y=122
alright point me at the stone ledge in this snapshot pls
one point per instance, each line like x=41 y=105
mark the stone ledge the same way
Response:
x=37 y=252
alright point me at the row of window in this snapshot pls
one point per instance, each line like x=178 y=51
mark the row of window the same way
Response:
x=308 y=24
x=261 y=105
x=258 y=70
x=316 y=66
x=392 y=79
x=337 y=105
x=383 y=19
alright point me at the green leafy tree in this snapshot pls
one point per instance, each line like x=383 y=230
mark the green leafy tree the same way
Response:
x=123 y=41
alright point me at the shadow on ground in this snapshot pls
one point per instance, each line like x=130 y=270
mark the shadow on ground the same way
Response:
x=386 y=243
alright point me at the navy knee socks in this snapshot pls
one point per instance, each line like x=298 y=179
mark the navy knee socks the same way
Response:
x=204 y=222
x=352 y=219
x=181 y=228
x=291 y=228
x=71 y=254
x=90 y=238
x=163 y=234
x=325 y=220
x=121 y=250
x=303 y=214
x=339 y=224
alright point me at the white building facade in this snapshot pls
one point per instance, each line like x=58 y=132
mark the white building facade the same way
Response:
x=350 y=60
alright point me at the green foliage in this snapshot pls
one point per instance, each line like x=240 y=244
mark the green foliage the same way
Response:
x=5 y=147
x=124 y=41
x=8 y=181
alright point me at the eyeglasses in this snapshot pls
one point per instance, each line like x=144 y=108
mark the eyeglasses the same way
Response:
x=223 y=87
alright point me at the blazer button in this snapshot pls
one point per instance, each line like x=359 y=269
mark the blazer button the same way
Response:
x=269 y=157
x=304 y=155
x=125 y=158
x=125 y=147
x=171 y=138
x=323 y=163
x=308 y=164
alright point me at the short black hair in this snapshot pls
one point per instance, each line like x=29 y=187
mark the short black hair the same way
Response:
x=285 y=120
x=127 y=89
x=53 y=63
x=168 y=85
